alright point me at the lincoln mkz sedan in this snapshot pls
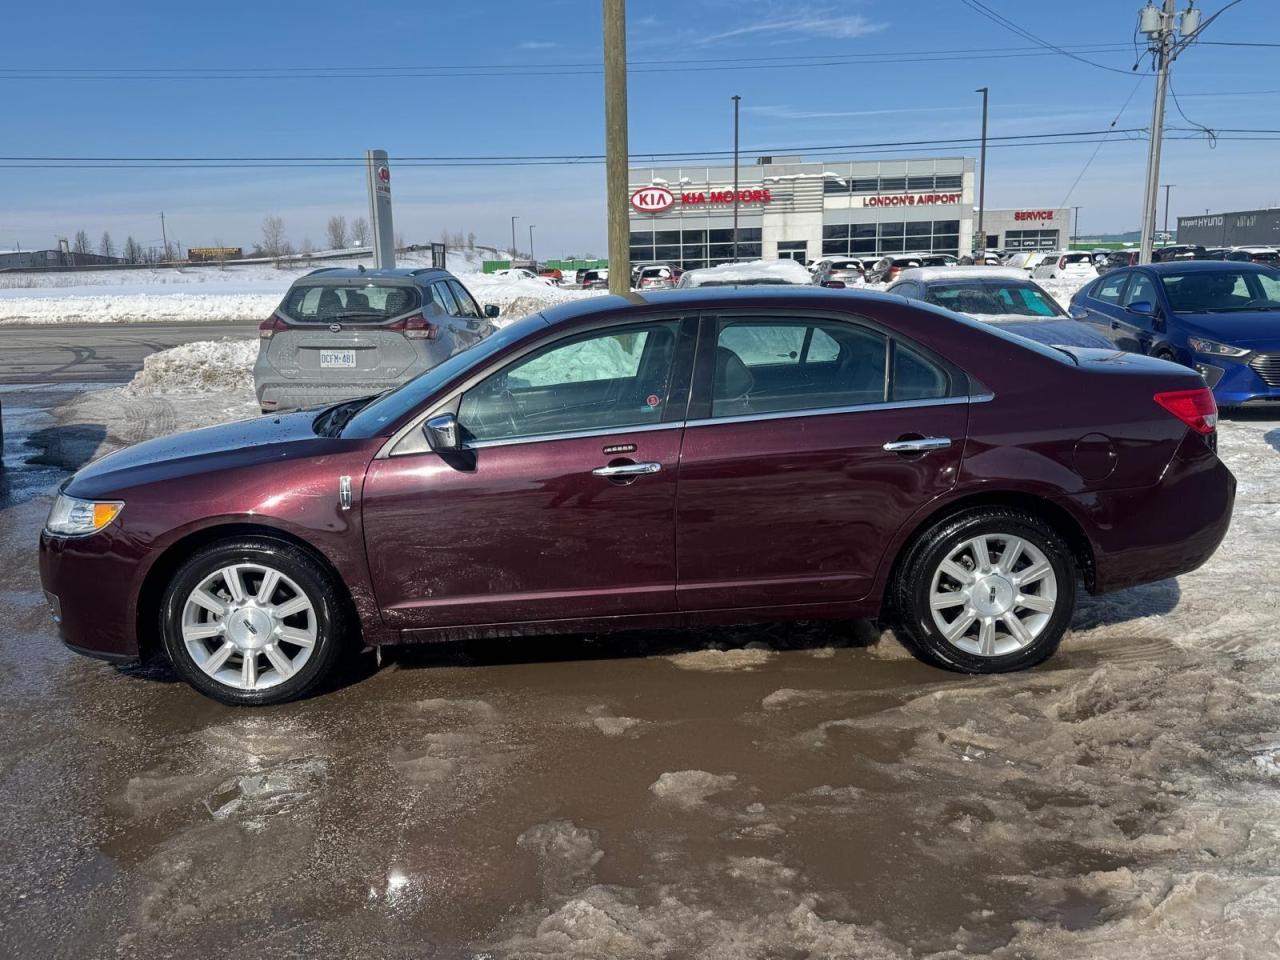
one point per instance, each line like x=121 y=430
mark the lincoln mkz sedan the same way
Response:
x=661 y=460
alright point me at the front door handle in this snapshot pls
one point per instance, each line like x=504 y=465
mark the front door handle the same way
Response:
x=627 y=470
x=919 y=445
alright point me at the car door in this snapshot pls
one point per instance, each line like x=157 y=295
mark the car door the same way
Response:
x=802 y=456
x=1100 y=305
x=476 y=325
x=1136 y=320
x=562 y=504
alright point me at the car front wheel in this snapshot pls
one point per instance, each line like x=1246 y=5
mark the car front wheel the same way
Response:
x=986 y=591
x=252 y=622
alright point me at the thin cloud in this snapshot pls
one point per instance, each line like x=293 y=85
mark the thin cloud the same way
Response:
x=830 y=27
x=538 y=45
x=792 y=113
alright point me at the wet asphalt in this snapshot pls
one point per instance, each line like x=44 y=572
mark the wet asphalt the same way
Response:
x=446 y=803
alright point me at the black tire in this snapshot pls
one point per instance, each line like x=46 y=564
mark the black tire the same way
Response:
x=332 y=623
x=910 y=593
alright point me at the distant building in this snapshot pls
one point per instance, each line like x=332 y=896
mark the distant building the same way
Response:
x=1042 y=229
x=1244 y=228
x=36 y=259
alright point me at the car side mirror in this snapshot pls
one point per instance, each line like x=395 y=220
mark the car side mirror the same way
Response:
x=491 y=311
x=442 y=433
x=1143 y=308
x=834 y=284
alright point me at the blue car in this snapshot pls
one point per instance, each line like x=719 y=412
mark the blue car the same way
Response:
x=1220 y=317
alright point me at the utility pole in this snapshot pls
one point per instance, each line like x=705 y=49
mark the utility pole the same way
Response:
x=164 y=237
x=513 y=238
x=1168 y=34
x=615 y=136
x=531 y=256
x=980 y=243
x=1075 y=226
x=1167 y=188
x=736 y=101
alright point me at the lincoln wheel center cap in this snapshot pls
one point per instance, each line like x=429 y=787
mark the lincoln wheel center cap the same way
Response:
x=992 y=596
x=250 y=628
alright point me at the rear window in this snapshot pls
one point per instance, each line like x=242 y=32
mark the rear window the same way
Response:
x=993 y=299
x=326 y=303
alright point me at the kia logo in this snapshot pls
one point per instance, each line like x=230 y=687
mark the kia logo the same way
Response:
x=384 y=174
x=653 y=199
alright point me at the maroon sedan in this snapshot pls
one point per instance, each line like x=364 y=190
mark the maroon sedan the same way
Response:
x=670 y=459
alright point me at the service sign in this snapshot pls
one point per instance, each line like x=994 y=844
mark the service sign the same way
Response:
x=1033 y=215
x=653 y=199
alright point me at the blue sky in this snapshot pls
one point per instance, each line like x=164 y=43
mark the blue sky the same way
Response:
x=900 y=94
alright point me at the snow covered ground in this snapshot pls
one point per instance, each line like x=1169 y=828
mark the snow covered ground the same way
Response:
x=195 y=294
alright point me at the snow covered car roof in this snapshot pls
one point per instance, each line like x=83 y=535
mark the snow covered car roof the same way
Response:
x=753 y=272
x=925 y=274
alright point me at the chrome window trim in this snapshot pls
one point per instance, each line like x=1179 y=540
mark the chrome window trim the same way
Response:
x=829 y=411
x=709 y=421
x=576 y=435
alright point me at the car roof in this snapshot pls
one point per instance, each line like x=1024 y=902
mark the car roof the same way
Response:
x=1205 y=266
x=385 y=273
x=932 y=274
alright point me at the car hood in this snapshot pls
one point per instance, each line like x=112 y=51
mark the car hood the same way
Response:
x=1255 y=329
x=244 y=443
x=1054 y=331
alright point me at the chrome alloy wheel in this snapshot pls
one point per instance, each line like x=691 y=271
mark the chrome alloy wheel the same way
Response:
x=993 y=595
x=249 y=626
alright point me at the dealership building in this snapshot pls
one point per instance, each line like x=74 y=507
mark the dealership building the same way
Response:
x=790 y=208
x=1244 y=228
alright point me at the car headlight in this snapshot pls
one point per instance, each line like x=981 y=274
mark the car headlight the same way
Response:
x=1212 y=349
x=73 y=517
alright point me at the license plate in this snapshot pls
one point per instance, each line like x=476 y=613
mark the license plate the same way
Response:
x=337 y=358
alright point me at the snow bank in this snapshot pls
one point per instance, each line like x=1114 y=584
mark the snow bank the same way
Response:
x=755 y=271
x=201 y=367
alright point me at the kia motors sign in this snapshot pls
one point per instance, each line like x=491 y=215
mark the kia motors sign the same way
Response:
x=653 y=199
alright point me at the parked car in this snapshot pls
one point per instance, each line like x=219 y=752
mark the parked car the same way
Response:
x=1177 y=251
x=747 y=274
x=594 y=280
x=1221 y=318
x=1064 y=265
x=1216 y=253
x=341 y=333
x=1024 y=260
x=847 y=271
x=1267 y=255
x=655 y=278
x=1002 y=296
x=886 y=269
x=919 y=466
x=1118 y=259
x=554 y=274
x=579 y=274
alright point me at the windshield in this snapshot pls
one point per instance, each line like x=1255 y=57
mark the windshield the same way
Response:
x=390 y=408
x=994 y=299
x=325 y=302
x=1220 y=291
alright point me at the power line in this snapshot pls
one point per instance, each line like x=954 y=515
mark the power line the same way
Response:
x=1088 y=163
x=979 y=7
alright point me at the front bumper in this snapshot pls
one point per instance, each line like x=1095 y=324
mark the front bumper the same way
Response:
x=1234 y=383
x=89 y=584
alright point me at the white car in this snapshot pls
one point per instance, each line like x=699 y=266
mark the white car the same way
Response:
x=519 y=273
x=1074 y=264
x=747 y=274
x=1024 y=261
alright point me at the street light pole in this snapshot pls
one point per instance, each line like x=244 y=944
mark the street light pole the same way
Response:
x=1167 y=188
x=513 y=237
x=980 y=242
x=1075 y=226
x=736 y=101
x=531 y=256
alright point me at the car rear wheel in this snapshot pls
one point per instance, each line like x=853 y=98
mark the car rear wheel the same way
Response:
x=252 y=622
x=986 y=591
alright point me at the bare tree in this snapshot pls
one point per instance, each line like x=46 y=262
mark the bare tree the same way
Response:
x=471 y=241
x=360 y=231
x=399 y=241
x=81 y=244
x=273 y=238
x=337 y=232
x=105 y=246
x=132 y=251
x=308 y=248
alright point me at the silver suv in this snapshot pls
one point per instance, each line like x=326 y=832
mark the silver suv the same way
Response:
x=341 y=333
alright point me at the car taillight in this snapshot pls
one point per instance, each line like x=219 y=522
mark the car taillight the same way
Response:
x=271 y=326
x=1196 y=408
x=1062 y=263
x=416 y=327
x=894 y=271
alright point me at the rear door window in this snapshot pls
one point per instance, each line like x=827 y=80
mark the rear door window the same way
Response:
x=443 y=297
x=467 y=306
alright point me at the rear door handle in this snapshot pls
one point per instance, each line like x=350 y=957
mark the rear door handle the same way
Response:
x=627 y=470
x=919 y=445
